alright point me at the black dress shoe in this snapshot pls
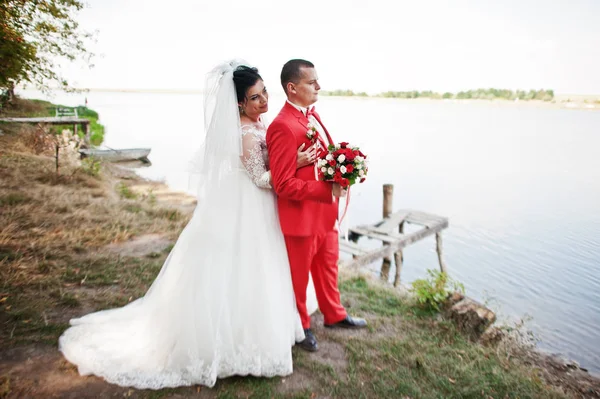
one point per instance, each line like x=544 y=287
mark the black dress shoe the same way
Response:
x=349 y=322
x=310 y=342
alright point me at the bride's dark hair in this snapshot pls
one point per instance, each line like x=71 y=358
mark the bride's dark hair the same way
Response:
x=244 y=77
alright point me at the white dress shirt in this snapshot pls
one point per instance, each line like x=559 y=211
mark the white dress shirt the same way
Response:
x=312 y=120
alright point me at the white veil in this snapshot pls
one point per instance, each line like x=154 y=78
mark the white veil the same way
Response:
x=222 y=147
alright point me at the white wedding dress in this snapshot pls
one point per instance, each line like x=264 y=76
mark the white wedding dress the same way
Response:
x=222 y=304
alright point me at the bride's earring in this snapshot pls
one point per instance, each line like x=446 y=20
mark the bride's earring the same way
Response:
x=241 y=110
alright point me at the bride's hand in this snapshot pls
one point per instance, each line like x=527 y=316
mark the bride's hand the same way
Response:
x=307 y=157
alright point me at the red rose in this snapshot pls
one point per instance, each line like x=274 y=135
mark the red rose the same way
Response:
x=363 y=179
x=332 y=163
x=344 y=182
x=349 y=168
x=343 y=144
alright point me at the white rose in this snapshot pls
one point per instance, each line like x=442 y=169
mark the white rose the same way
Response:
x=341 y=158
x=343 y=169
x=324 y=169
x=309 y=133
x=330 y=171
x=359 y=158
x=359 y=167
x=361 y=173
x=310 y=126
x=329 y=157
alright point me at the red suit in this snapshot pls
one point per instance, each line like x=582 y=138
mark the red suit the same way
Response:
x=307 y=214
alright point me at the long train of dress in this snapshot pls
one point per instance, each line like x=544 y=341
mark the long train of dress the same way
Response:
x=221 y=305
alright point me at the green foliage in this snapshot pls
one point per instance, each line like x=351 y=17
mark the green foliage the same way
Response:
x=91 y=166
x=434 y=290
x=343 y=93
x=125 y=192
x=35 y=35
x=479 y=94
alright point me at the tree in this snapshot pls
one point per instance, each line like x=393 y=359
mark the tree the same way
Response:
x=35 y=35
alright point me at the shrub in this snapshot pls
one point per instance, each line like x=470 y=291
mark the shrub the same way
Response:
x=433 y=291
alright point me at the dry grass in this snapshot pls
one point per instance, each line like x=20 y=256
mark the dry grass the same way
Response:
x=51 y=229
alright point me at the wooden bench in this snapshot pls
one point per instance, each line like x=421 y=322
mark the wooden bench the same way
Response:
x=64 y=112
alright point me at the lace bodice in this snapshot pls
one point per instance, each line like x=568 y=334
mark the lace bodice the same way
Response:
x=255 y=157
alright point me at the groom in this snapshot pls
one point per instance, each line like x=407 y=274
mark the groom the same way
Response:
x=308 y=208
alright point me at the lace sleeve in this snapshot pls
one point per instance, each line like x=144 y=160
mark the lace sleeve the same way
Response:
x=253 y=161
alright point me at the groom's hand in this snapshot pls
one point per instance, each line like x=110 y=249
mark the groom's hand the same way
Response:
x=338 y=191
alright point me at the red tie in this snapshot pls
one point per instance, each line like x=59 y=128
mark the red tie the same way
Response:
x=310 y=111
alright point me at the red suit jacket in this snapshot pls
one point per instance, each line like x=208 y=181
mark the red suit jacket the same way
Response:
x=306 y=206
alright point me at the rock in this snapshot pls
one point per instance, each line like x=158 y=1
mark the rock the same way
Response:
x=453 y=299
x=471 y=317
x=492 y=336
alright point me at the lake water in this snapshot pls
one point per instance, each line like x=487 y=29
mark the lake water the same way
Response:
x=520 y=185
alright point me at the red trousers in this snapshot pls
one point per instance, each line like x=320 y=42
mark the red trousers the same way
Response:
x=318 y=255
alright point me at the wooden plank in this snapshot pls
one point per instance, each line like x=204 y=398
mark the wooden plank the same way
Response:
x=367 y=232
x=424 y=219
x=388 y=250
x=391 y=223
x=50 y=120
x=352 y=248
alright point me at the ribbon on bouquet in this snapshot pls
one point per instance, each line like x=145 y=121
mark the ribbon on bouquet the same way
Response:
x=344 y=214
x=347 y=201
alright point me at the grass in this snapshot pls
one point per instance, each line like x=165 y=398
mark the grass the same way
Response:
x=52 y=268
x=417 y=356
x=50 y=229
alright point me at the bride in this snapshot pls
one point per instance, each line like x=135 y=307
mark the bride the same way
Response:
x=223 y=302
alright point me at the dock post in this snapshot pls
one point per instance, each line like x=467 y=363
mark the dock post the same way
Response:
x=398 y=259
x=388 y=199
x=438 y=248
x=86 y=133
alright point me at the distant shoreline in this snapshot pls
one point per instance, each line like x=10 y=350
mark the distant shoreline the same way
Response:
x=560 y=101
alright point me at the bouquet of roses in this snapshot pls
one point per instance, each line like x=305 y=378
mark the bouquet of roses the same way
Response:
x=343 y=164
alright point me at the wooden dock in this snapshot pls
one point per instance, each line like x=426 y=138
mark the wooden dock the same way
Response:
x=390 y=232
x=59 y=120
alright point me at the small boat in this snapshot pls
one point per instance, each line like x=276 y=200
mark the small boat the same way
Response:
x=113 y=155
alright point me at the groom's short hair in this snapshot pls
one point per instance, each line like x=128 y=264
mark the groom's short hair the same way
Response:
x=291 y=71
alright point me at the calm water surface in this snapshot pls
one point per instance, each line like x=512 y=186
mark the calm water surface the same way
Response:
x=521 y=186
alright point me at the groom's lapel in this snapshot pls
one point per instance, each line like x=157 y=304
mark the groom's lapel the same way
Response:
x=318 y=118
x=303 y=121
x=299 y=116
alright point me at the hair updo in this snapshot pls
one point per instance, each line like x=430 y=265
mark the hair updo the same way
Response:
x=244 y=77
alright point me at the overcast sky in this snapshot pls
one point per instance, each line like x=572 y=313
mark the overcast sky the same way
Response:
x=371 y=46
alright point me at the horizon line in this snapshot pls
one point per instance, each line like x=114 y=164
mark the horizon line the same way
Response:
x=200 y=91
